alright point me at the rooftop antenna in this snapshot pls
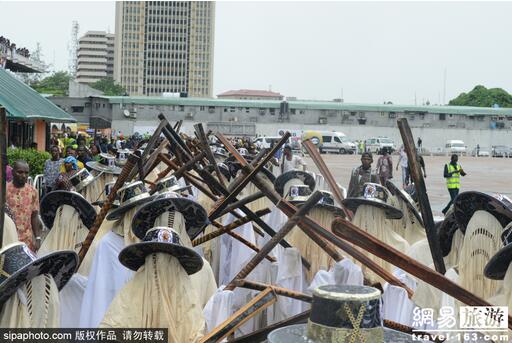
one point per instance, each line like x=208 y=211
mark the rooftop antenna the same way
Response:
x=73 y=49
x=342 y=94
x=415 y=100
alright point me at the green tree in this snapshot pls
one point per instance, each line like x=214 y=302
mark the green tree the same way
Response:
x=109 y=87
x=56 y=84
x=483 y=97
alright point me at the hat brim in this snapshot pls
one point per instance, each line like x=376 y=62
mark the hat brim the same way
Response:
x=298 y=333
x=194 y=214
x=51 y=202
x=391 y=212
x=497 y=266
x=282 y=179
x=445 y=231
x=103 y=168
x=134 y=256
x=400 y=193
x=467 y=203
x=332 y=208
x=61 y=265
x=118 y=212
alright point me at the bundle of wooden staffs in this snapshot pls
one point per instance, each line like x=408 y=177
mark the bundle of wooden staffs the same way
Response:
x=194 y=154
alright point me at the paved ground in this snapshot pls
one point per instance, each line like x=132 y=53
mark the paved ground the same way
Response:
x=484 y=174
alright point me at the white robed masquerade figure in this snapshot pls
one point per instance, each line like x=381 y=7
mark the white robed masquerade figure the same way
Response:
x=373 y=213
x=35 y=303
x=69 y=216
x=107 y=275
x=161 y=293
x=481 y=242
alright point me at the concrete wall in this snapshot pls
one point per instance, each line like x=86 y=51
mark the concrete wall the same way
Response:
x=432 y=138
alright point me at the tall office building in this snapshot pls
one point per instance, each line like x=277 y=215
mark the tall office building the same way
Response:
x=95 y=57
x=165 y=47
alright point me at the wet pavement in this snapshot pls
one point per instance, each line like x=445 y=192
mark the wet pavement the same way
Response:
x=485 y=174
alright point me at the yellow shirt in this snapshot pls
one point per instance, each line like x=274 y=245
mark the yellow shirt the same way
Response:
x=79 y=164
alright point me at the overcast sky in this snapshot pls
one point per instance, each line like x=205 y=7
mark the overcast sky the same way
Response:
x=372 y=51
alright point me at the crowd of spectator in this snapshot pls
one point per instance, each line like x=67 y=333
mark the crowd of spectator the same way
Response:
x=6 y=45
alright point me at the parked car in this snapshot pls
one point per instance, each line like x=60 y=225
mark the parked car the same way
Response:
x=500 y=151
x=455 y=147
x=375 y=145
x=336 y=142
x=483 y=152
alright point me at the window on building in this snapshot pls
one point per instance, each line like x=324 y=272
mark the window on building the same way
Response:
x=77 y=109
x=272 y=111
x=201 y=108
x=181 y=108
x=442 y=116
x=353 y=113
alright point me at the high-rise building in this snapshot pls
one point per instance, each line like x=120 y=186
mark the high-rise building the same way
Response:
x=95 y=57
x=165 y=47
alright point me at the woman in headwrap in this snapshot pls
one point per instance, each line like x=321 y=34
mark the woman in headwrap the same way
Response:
x=70 y=167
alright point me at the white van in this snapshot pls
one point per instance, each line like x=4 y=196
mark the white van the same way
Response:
x=266 y=142
x=375 y=145
x=455 y=147
x=336 y=142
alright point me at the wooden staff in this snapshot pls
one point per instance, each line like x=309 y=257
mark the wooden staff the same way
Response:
x=244 y=201
x=257 y=304
x=271 y=244
x=151 y=143
x=261 y=334
x=203 y=140
x=216 y=186
x=258 y=286
x=227 y=228
x=322 y=167
x=153 y=159
x=128 y=167
x=315 y=230
x=199 y=185
x=245 y=179
x=3 y=166
x=421 y=190
x=362 y=239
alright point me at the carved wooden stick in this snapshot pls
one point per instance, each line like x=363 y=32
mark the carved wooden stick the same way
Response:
x=227 y=228
x=322 y=167
x=362 y=239
x=256 y=305
x=130 y=164
x=271 y=244
x=261 y=334
x=421 y=190
x=244 y=201
x=313 y=229
x=258 y=286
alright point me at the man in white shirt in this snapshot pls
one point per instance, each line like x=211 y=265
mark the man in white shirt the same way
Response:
x=289 y=161
x=403 y=162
